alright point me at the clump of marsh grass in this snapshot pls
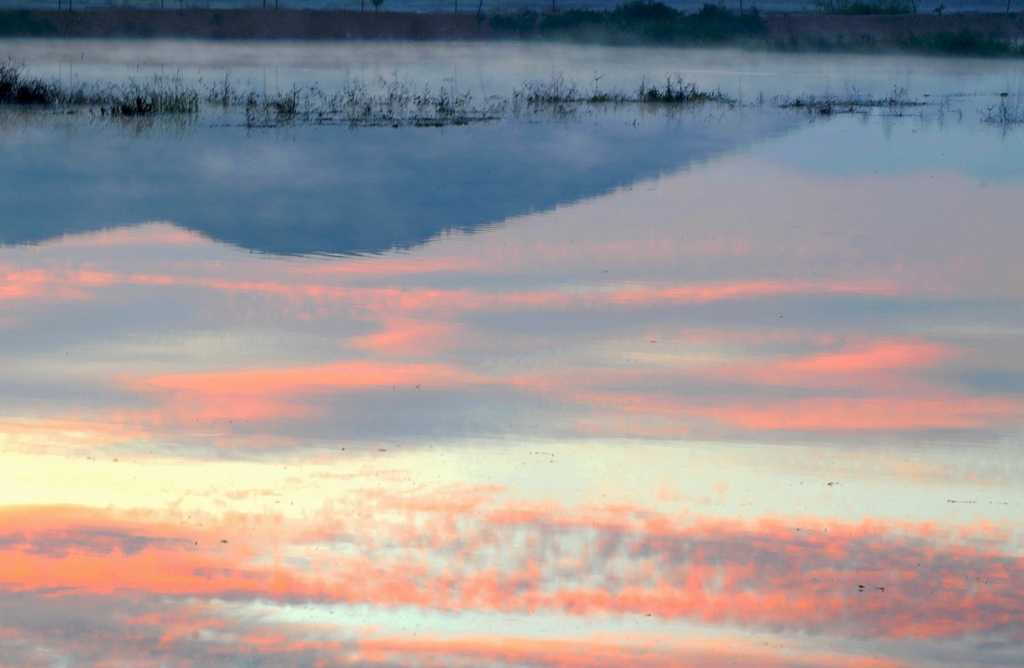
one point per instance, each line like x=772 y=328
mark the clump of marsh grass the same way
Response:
x=387 y=103
x=221 y=93
x=826 y=105
x=16 y=88
x=678 y=91
x=559 y=97
x=161 y=95
x=271 y=110
x=559 y=92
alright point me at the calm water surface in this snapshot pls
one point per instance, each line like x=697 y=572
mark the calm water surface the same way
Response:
x=720 y=387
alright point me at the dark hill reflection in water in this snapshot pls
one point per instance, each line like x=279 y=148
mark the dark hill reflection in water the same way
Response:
x=336 y=190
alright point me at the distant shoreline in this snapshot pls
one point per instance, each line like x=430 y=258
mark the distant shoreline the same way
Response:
x=812 y=31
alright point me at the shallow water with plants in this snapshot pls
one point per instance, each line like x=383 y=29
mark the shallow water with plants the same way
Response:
x=734 y=380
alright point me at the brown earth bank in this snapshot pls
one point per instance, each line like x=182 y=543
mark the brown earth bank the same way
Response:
x=342 y=25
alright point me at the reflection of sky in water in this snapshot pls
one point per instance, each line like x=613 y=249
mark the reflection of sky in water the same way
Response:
x=758 y=403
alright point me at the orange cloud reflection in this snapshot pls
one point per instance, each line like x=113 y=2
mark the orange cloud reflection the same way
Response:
x=866 y=580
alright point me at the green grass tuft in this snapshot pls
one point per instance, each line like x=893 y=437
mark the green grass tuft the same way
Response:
x=158 y=96
x=677 y=91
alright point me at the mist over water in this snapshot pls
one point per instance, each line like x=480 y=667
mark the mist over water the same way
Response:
x=631 y=386
x=485 y=69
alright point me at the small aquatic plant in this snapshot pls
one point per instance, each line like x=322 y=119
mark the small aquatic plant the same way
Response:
x=1009 y=112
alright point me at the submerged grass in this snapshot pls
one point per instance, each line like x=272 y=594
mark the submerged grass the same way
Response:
x=559 y=91
x=827 y=105
x=395 y=103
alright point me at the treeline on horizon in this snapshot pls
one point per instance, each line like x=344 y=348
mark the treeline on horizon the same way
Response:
x=640 y=22
x=644 y=22
x=637 y=21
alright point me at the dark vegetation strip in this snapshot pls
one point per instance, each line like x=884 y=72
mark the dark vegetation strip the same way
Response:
x=962 y=43
x=827 y=105
x=861 y=8
x=892 y=26
x=637 y=22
